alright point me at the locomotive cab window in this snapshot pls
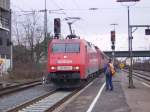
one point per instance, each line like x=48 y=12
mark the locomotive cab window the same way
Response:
x=58 y=48
x=66 y=48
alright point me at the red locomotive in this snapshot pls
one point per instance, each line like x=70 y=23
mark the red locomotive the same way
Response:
x=71 y=61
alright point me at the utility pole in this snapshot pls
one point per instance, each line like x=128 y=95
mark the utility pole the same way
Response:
x=45 y=27
x=130 y=50
x=129 y=41
x=11 y=45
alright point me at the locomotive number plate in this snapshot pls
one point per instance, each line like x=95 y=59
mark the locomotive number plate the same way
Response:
x=64 y=68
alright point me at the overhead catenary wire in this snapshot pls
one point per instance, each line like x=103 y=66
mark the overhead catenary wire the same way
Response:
x=76 y=9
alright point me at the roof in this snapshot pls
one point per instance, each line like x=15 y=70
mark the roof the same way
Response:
x=67 y=40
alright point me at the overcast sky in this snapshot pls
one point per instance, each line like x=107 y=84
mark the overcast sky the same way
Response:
x=95 y=25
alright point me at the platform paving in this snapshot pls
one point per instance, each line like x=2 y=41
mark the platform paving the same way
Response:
x=138 y=98
x=121 y=99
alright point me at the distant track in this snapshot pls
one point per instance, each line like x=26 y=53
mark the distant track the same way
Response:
x=140 y=75
x=18 y=87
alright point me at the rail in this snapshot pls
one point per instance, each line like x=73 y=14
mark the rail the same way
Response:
x=19 y=87
x=50 y=101
x=140 y=75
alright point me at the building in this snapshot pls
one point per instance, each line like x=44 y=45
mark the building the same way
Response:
x=5 y=32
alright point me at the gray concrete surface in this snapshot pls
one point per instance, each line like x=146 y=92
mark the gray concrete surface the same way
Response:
x=139 y=98
x=82 y=102
x=109 y=101
x=122 y=99
x=112 y=101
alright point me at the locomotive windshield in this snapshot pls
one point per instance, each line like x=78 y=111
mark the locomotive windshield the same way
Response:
x=66 y=48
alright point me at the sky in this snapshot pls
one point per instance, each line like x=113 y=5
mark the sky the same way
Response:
x=95 y=25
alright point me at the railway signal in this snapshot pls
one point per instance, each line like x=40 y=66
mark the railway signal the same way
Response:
x=57 y=27
x=147 y=31
x=113 y=35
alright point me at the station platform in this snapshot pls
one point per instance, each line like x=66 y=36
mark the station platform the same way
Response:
x=138 y=98
x=121 y=99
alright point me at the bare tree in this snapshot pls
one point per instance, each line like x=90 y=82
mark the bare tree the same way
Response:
x=28 y=45
x=38 y=47
x=28 y=33
x=17 y=31
x=33 y=32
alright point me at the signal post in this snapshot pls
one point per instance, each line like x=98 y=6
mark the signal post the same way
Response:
x=113 y=36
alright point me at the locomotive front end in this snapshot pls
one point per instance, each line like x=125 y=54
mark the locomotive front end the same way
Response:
x=64 y=62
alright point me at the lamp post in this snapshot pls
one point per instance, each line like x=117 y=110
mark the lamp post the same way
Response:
x=129 y=42
x=130 y=50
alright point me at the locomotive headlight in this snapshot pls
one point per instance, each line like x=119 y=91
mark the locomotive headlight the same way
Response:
x=77 y=67
x=52 y=68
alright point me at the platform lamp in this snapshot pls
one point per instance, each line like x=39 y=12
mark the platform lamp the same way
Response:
x=129 y=41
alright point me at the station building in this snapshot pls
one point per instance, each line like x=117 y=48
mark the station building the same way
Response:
x=5 y=33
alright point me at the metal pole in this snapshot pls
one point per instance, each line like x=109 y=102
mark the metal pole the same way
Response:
x=11 y=57
x=11 y=46
x=45 y=26
x=130 y=50
x=113 y=55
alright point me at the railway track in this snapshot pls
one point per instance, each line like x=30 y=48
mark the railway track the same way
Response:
x=140 y=75
x=48 y=102
x=18 y=87
x=44 y=103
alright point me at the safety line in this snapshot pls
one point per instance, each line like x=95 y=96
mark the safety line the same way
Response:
x=146 y=84
x=96 y=98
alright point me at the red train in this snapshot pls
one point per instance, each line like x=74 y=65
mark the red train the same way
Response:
x=71 y=61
